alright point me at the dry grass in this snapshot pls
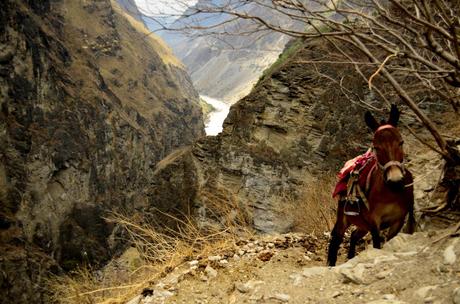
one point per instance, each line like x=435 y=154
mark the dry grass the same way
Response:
x=223 y=207
x=314 y=209
x=160 y=249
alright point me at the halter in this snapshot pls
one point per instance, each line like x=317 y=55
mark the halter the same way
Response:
x=383 y=127
x=391 y=162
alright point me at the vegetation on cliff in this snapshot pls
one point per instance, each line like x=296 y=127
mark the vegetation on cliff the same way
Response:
x=206 y=108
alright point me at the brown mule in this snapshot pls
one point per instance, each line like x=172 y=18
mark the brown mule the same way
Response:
x=390 y=195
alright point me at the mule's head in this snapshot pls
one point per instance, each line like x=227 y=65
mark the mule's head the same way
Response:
x=388 y=147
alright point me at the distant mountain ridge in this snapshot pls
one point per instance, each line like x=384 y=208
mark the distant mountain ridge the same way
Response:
x=227 y=67
x=224 y=67
x=131 y=8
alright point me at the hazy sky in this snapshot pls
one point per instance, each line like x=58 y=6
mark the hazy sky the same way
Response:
x=156 y=7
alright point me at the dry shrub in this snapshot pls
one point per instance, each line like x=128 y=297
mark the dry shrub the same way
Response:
x=313 y=210
x=87 y=286
x=222 y=206
x=161 y=249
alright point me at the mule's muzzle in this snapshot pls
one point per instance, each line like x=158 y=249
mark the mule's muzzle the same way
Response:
x=394 y=176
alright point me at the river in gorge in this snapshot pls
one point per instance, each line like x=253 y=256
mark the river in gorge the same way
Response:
x=216 y=118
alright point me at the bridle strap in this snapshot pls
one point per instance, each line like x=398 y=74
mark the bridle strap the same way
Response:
x=391 y=163
x=383 y=127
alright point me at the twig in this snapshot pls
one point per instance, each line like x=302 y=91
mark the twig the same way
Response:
x=105 y=289
x=454 y=231
x=436 y=208
x=422 y=141
x=379 y=69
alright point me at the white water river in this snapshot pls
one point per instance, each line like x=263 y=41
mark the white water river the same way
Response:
x=217 y=117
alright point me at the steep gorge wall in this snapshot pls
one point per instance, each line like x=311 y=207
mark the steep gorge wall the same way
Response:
x=295 y=128
x=89 y=105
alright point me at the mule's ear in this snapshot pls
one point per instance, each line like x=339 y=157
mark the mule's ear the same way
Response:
x=394 y=116
x=370 y=121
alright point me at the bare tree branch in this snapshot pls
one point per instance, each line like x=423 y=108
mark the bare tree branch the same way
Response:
x=414 y=44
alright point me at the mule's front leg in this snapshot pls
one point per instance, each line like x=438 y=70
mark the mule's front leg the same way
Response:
x=411 y=224
x=334 y=245
x=337 y=235
x=356 y=235
x=394 y=229
x=376 y=239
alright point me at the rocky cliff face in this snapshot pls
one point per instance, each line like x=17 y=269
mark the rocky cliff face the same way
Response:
x=295 y=127
x=89 y=105
x=291 y=129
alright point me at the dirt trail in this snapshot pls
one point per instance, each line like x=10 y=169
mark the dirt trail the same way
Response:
x=290 y=269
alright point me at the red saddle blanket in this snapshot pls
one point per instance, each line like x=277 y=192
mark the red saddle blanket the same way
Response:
x=363 y=163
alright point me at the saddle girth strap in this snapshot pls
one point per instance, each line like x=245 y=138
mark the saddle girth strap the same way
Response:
x=363 y=196
x=355 y=192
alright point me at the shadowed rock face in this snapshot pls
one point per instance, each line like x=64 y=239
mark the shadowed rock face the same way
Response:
x=87 y=109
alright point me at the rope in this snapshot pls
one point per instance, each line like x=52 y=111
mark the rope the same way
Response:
x=421 y=177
